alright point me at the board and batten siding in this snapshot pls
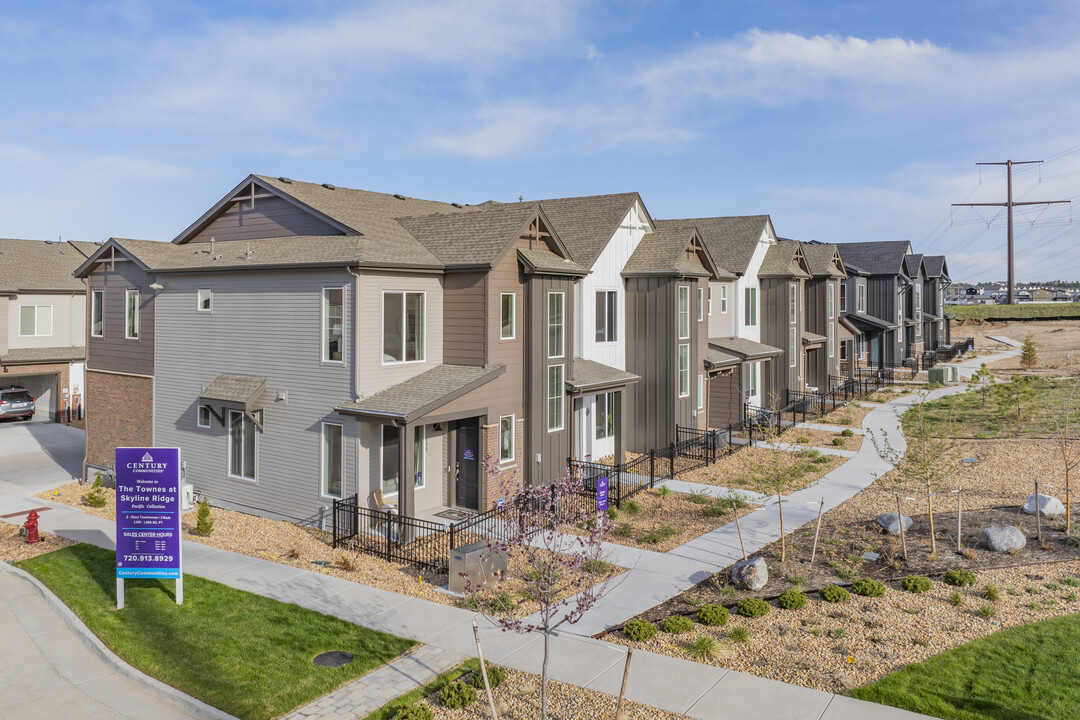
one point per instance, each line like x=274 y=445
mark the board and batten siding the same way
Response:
x=775 y=321
x=263 y=324
x=270 y=218
x=546 y=452
x=113 y=352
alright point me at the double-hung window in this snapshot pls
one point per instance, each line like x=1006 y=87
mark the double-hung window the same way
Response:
x=605 y=415
x=750 y=313
x=607 y=318
x=131 y=315
x=403 y=327
x=843 y=297
x=35 y=320
x=700 y=304
x=555 y=398
x=242 y=445
x=506 y=438
x=793 y=303
x=333 y=324
x=832 y=320
x=684 y=312
x=750 y=380
x=333 y=459
x=97 y=313
x=709 y=299
x=723 y=299
x=507 y=319
x=700 y=392
x=684 y=370
x=556 y=327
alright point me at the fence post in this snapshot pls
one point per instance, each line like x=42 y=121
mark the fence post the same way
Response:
x=652 y=468
x=671 y=462
x=452 y=527
x=356 y=513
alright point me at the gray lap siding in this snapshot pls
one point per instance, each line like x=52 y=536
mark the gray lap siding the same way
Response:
x=263 y=324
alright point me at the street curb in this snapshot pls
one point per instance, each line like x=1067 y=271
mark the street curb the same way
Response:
x=196 y=707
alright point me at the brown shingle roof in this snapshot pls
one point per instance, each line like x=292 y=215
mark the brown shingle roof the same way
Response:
x=39 y=265
x=731 y=240
x=240 y=389
x=413 y=398
x=782 y=260
x=34 y=356
x=478 y=237
x=744 y=348
x=547 y=262
x=819 y=258
x=663 y=252
x=591 y=376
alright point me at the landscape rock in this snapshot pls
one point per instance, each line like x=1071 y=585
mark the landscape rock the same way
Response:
x=1004 y=538
x=750 y=574
x=888 y=523
x=1049 y=505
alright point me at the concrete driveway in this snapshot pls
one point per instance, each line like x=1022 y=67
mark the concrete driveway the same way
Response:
x=38 y=456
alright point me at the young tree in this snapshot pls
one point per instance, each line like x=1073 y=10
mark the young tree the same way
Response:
x=1016 y=393
x=1029 y=356
x=774 y=472
x=929 y=457
x=564 y=574
x=982 y=382
x=1069 y=446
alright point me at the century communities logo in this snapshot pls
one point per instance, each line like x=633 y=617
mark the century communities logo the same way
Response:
x=147 y=463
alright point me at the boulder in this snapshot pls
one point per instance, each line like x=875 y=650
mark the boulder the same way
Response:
x=888 y=523
x=1049 y=506
x=750 y=574
x=1004 y=538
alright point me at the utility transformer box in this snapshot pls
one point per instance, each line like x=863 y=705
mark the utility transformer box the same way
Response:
x=476 y=565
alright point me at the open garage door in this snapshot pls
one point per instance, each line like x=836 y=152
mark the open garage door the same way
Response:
x=44 y=390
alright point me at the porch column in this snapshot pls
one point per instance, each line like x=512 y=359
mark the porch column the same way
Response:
x=407 y=481
x=620 y=424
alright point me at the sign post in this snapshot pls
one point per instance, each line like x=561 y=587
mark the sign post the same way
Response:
x=601 y=494
x=148 y=538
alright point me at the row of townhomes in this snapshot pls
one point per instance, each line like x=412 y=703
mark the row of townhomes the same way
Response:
x=304 y=342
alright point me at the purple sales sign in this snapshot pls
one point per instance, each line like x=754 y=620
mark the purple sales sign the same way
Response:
x=601 y=494
x=148 y=512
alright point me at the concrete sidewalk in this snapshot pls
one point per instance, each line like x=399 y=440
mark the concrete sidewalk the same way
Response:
x=52 y=666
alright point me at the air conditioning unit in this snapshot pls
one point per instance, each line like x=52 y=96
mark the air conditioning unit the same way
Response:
x=187 y=498
x=476 y=565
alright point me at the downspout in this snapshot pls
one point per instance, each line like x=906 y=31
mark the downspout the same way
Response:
x=356 y=336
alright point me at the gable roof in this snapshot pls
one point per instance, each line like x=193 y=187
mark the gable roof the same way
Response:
x=876 y=258
x=731 y=240
x=40 y=265
x=912 y=264
x=663 y=252
x=587 y=224
x=935 y=266
x=784 y=259
x=823 y=259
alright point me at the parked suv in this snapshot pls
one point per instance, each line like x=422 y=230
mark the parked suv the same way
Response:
x=16 y=402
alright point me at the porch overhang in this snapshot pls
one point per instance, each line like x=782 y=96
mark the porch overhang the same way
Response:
x=810 y=339
x=871 y=323
x=235 y=392
x=412 y=399
x=720 y=360
x=588 y=377
x=745 y=350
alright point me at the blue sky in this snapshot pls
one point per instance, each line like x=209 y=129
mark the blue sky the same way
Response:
x=844 y=121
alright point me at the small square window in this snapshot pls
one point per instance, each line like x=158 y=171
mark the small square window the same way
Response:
x=204 y=301
x=204 y=416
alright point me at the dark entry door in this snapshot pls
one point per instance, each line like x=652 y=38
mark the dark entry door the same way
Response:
x=468 y=464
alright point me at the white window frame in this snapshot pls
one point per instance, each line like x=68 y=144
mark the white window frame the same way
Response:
x=832 y=339
x=684 y=312
x=610 y=306
x=843 y=351
x=129 y=314
x=793 y=339
x=700 y=304
x=723 y=299
x=750 y=315
x=404 y=324
x=199 y=412
x=97 y=313
x=324 y=466
x=700 y=391
x=751 y=385
x=560 y=297
x=860 y=297
x=559 y=397
x=419 y=464
x=324 y=321
x=793 y=303
x=200 y=296
x=255 y=441
x=513 y=439
x=609 y=408
x=37 y=320
x=843 y=297
x=502 y=316
x=708 y=300
x=683 y=362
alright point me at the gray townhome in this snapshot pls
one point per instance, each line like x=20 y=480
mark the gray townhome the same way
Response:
x=936 y=326
x=878 y=282
x=821 y=339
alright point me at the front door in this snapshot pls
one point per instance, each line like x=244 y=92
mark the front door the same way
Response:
x=468 y=464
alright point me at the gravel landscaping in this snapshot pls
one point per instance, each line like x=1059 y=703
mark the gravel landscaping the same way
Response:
x=821 y=438
x=732 y=471
x=13 y=547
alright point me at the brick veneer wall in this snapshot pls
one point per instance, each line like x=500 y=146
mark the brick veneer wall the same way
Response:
x=506 y=481
x=120 y=413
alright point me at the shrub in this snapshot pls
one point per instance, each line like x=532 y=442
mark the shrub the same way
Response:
x=752 y=607
x=204 y=524
x=495 y=674
x=848 y=432
x=630 y=507
x=623 y=530
x=1070 y=581
x=956 y=598
x=989 y=592
x=915 y=583
x=660 y=534
x=638 y=630
x=959 y=578
x=987 y=611
x=838 y=633
x=791 y=599
x=834 y=594
x=414 y=712
x=740 y=634
x=802 y=440
x=457 y=695
x=868 y=587
x=838 y=442
x=612 y=513
x=821 y=460
x=96 y=497
x=677 y=624
x=699 y=498
x=712 y=615
x=596 y=566
x=704 y=647
x=663 y=491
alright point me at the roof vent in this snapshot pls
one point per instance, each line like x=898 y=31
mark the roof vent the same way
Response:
x=457 y=205
x=328 y=186
x=399 y=197
x=285 y=180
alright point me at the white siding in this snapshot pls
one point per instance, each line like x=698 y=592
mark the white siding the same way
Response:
x=68 y=320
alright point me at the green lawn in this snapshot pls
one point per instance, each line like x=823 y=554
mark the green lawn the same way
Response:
x=973 y=419
x=1026 y=673
x=245 y=654
x=1005 y=312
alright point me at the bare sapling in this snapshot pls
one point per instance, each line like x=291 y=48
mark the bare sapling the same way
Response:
x=1068 y=446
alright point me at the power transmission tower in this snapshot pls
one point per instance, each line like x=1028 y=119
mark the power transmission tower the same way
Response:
x=1011 y=299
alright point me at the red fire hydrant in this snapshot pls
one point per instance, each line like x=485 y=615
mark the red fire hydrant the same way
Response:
x=31 y=527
